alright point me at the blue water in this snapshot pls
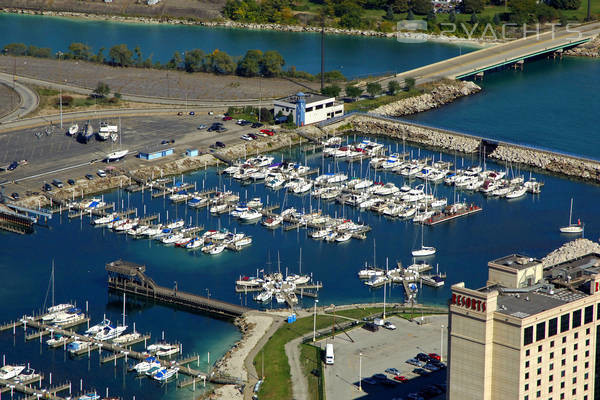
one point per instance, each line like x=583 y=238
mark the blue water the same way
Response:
x=551 y=104
x=354 y=56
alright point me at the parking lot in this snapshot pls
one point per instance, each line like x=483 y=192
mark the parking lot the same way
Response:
x=58 y=156
x=381 y=350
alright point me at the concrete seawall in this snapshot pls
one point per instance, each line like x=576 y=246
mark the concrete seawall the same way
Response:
x=552 y=162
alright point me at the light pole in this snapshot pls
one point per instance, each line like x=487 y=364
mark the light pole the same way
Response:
x=360 y=371
x=442 y=343
x=208 y=293
x=315 y=321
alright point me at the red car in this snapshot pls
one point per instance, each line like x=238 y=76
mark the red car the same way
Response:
x=267 y=132
x=227 y=118
x=434 y=356
x=400 y=378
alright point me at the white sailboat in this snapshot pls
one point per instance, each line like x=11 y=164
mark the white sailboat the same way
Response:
x=572 y=228
x=119 y=154
x=73 y=129
x=424 y=251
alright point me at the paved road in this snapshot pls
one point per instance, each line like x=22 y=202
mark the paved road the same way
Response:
x=507 y=52
x=29 y=98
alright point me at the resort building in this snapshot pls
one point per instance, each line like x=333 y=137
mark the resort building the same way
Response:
x=308 y=108
x=530 y=333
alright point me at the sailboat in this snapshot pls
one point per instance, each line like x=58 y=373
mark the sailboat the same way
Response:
x=424 y=251
x=119 y=154
x=73 y=129
x=572 y=228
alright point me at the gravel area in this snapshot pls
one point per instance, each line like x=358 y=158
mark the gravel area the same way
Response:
x=151 y=82
x=9 y=100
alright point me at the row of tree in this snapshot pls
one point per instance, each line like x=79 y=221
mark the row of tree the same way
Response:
x=373 y=89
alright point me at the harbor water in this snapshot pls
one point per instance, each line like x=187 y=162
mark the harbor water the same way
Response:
x=528 y=225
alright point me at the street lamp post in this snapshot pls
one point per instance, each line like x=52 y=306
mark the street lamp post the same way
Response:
x=442 y=343
x=315 y=321
x=360 y=371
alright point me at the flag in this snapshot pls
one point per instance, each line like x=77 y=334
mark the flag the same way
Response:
x=578 y=221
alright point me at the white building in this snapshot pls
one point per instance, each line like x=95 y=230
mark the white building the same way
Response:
x=308 y=108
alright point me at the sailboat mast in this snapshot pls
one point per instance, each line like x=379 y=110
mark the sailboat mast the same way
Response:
x=123 y=308
x=52 y=282
x=571 y=212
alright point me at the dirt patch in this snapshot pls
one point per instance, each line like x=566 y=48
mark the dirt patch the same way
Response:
x=9 y=100
x=152 y=82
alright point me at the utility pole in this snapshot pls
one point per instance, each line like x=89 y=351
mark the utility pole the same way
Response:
x=360 y=371
x=259 y=95
x=323 y=51
x=442 y=343
x=315 y=321
x=60 y=101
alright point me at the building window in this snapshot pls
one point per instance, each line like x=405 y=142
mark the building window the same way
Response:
x=539 y=371
x=575 y=358
x=309 y=109
x=575 y=346
x=574 y=381
x=329 y=104
x=587 y=342
x=539 y=359
x=528 y=336
x=550 y=389
x=587 y=331
x=563 y=351
x=564 y=323
x=540 y=347
x=576 y=335
x=526 y=386
x=526 y=364
x=586 y=376
x=319 y=107
x=562 y=375
x=598 y=311
x=552 y=343
x=588 y=315
x=586 y=365
x=574 y=391
x=550 y=378
x=551 y=355
x=526 y=375
x=563 y=362
x=562 y=396
x=564 y=339
x=552 y=327
x=539 y=382
x=576 y=318
x=538 y=394
x=540 y=331
x=575 y=369
x=551 y=366
x=527 y=352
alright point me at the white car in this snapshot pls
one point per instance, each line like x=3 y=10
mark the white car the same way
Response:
x=389 y=325
x=378 y=321
x=246 y=137
x=101 y=173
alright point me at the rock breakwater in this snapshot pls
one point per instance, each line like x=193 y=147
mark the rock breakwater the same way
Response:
x=441 y=94
x=589 y=49
x=571 y=250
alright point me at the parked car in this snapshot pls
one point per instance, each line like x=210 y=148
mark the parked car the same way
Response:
x=371 y=327
x=15 y=196
x=422 y=357
x=253 y=136
x=13 y=165
x=380 y=377
x=71 y=182
x=180 y=113
x=220 y=144
x=389 y=325
x=89 y=176
x=57 y=183
x=434 y=356
x=431 y=367
x=257 y=125
x=401 y=378
x=47 y=187
x=392 y=371
x=101 y=173
x=420 y=371
x=369 y=381
x=246 y=137
x=201 y=127
x=227 y=118
x=210 y=113
x=415 y=362
x=192 y=113
x=267 y=132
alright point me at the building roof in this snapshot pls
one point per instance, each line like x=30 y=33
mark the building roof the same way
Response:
x=308 y=97
x=516 y=261
x=155 y=149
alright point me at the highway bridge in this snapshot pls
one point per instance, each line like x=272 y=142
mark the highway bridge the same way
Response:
x=513 y=52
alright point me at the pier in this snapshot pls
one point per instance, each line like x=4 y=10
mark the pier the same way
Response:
x=130 y=278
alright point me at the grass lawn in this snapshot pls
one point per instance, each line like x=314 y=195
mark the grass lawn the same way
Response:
x=360 y=313
x=581 y=13
x=311 y=359
x=370 y=104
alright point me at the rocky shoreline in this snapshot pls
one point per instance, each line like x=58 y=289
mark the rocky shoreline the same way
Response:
x=569 y=251
x=441 y=94
x=589 y=49
x=251 y=26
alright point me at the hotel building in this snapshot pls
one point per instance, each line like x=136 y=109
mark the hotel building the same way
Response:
x=529 y=334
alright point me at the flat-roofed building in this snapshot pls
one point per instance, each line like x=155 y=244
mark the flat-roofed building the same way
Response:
x=529 y=334
x=308 y=108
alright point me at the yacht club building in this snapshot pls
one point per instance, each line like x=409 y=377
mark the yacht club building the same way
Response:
x=308 y=108
x=530 y=333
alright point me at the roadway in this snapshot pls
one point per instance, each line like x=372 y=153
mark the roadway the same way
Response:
x=501 y=54
x=29 y=98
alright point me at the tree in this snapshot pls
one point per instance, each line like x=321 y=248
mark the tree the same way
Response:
x=79 y=51
x=473 y=20
x=565 y=4
x=401 y=6
x=563 y=19
x=393 y=87
x=175 y=61
x=410 y=15
x=353 y=91
x=15 y=49
x=496 y=19
x=138 y=56
x=431 y=19
x=389 y=14
x=374 y=88
x=193 y=60
x=351 y=15
x=99 y=57
x=545 y=13
x=331 y=91
x=522 y=10
x=41 y=52
x=102 y=89
x=272 y=63
x=422 y=7
x=220 y=62
x=250 y=64
x=452 y=16
x=409 y=83
x=472 y=6
x=120 y=55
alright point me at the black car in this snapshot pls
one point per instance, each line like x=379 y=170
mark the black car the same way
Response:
x=15 y=196
x=371 y=327
x=380 y=377
x=57 y=183
x=71 y=182
x=420 y=371
x=220 y=144
x=192 y=113
x=215 y=127
x=257 y=125
x=13 y=165
x=423 y=357
x=253 y=136
x=47 y=187
x=89 y=176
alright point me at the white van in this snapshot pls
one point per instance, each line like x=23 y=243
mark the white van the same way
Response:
x=329 y=358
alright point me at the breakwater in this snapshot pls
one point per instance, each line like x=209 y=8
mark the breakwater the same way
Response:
x=552 y=162
x=589 y=49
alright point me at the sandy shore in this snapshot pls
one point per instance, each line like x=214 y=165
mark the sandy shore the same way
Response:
x=254 y=327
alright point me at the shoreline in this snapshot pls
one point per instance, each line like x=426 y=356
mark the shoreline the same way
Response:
x=454 y=40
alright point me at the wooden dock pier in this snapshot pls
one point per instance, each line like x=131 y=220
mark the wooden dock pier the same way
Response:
x=130 y=278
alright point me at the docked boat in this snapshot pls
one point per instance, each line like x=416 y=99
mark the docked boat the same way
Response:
x=163 y=349
x=376 y=281
x=172 y=238
x=116 y=155
x=343 y=237
x=68 y=317
x=98 y=327
x=11 y=371
x=216 y=249
x=517 y=192
x=272 y=222
x=57 y=340
x=194 y=243
x=28 y=375
x=264 y=296
x=89 y=396
x=77 y=346
x=320 y=234
x=145 y=366
x=124 y=339
x=106 y=130
x=250 y=216
x=424 y=251
x=165 y=374
x=368 y=273
x=572 y=228
x=106 y=219
x=110 y=332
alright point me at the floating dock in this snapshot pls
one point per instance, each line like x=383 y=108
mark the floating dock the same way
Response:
x=445 y=216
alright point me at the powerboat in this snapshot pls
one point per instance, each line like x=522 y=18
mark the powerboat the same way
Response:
x=343 y=237
x=250 y=216
x=146 y=365
x=116 y=155
x=98 y=327
x=272 y=222
x=124 y=339
x=11 y=371
x=165 y=374
x=73 y=129
x=517 y=192
x=110 y=332
x=77 y=345
x=89 y=396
